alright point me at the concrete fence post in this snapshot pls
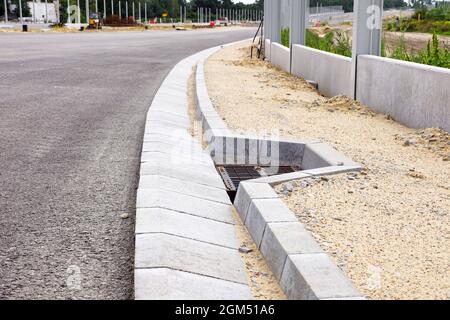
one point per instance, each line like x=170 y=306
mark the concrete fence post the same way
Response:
x=46 y=11
x=87 y=12
x=133 y=12
x=6 y=10
x=297 y=27
x=126 y=10
x=20 y=11
x=104 y=9
x=34 y=11
x=275 y=35
x=120 y=10
x=145 y=12
x=267 y=29
x=366 y=35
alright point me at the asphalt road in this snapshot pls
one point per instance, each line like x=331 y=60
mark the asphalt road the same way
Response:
x=72 y=113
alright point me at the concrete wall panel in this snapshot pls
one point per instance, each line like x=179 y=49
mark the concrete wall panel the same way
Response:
x=280 y=56
x=413 y=94
x=330 y=71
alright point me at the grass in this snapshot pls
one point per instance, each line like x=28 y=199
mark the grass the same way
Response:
x=334 y=42
x=432 y=55
x=436 y=20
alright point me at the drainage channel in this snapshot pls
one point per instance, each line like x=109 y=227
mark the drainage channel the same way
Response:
x=232 y=175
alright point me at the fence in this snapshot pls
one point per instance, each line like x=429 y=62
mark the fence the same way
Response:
x=205 y=15
x=413 y=94
x=48 y=11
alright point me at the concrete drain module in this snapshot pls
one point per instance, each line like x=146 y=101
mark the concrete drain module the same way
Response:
x=232 y=175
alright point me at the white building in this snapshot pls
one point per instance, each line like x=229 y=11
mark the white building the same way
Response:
x=42 y=12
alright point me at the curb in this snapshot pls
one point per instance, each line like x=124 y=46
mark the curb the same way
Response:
x=186 y=245
x=302 y=268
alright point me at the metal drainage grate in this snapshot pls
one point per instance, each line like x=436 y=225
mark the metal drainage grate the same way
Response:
x=232 y=175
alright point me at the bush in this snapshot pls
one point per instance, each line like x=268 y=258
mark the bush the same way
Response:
x=425 y=20
x=117 y=21
x=441 y=13
x=338 y=42
x=285 y=33
x=433 y=54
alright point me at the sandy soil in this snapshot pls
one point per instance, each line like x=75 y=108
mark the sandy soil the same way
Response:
x=261 y=280
x=387 y=227
x=415 y=41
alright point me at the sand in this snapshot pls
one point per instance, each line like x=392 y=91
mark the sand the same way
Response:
x=388 y=227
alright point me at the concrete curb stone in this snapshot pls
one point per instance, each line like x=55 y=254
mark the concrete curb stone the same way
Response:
x=186 y=245
x=303 y=270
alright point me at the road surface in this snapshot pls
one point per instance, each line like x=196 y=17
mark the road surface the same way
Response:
x=72 y=113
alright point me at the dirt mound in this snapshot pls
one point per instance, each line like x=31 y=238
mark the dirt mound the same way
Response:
x=434 y=139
